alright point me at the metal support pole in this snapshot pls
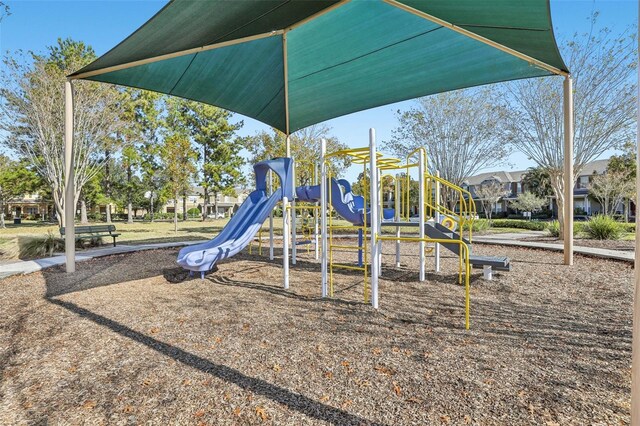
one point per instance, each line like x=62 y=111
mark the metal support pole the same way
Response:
x=397 y=218
x=315 y=214
x=285 y=241
x=436 y=250
x=360 y=245
x=421 y=218
x=568 y=170
x=294 y=248
x=323 y=215
x=270 y=217
x=286 y=218
x=69 y=187
x=635 y=336
x=380 y=217
x=373 y=173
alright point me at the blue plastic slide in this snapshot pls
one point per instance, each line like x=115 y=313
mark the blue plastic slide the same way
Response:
x=350 y=207
x=244 y=225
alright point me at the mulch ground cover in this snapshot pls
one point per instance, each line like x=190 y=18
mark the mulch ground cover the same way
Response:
x=129 y=339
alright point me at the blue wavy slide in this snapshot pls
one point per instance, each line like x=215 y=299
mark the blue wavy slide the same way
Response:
x=350 y=207
x=245 y=224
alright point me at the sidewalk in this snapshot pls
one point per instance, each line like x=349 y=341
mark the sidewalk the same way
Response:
x=515 y=239
x=19 y=267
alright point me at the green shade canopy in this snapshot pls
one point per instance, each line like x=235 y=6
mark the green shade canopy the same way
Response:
x=294 y=63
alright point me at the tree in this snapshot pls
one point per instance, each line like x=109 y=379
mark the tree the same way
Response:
x=219 y=151
x=603 y=68
x=179 y=159
x=4 y=10
x=611 y=189
x=625 y=166
x=16 y=180
x=460 y=130
x=489 y=193
x=305 y=148
x=33 y=117
x=537 y=181
x=528 y=202
x=140 y=113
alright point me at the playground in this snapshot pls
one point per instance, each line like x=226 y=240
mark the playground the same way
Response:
x=125 y=340
x=372 y=307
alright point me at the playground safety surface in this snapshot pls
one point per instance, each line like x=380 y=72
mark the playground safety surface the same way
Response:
x=129 y=340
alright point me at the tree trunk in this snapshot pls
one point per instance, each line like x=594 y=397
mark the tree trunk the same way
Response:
x=151 y=205
x=108 y=213
x=2 y=224
x=175 y=213
x=83 y=213
x=215 y=204
x=206 y=204
x=184 y=207
x=129 y=203
x=558 y=192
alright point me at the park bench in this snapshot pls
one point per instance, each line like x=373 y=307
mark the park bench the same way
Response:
x=94 y=231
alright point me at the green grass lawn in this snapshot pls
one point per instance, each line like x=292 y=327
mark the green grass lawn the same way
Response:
x=14 y=236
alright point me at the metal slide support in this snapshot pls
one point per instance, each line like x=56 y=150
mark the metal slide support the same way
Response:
x=69 y=186
x=568 y=170
x=286 y=218
x=270 y=217
x=323 y=214
x=436 y=250
x=635 y=336
x=294 y=239
x=421 y=218
x=373 y=173
x=397 y=217
x=285 y=241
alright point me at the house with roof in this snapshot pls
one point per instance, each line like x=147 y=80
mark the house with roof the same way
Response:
x=584 y=204
x=218 y=205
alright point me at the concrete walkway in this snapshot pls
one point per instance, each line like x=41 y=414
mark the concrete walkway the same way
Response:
x=20 y=267
x=514 y=239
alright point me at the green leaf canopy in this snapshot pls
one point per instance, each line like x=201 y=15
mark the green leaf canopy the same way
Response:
x=294 y=63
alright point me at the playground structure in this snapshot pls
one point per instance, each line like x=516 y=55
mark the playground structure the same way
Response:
x=439 y=225
x=303 y=63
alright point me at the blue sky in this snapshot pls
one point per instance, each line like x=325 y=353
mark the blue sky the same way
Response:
x=102 y=24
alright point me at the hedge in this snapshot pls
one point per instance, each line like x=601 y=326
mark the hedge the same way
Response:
x=531 y=225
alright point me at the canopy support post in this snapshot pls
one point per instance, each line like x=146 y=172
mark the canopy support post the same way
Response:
x=69 y=187
x=635 y=337
x=568 y=170
x=373 y=178
x=323 y=214
x=421 y=218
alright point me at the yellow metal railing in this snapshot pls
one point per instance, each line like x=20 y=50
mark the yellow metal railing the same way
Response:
x=464 y=264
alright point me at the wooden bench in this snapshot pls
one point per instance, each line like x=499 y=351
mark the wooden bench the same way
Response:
x=94 y=231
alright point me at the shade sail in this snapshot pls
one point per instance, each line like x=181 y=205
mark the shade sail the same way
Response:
x=291 y=64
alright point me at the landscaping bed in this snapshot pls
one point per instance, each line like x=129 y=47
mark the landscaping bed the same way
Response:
x=128 y=339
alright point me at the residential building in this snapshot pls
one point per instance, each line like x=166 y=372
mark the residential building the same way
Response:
x=29 y=206
x=226 y=205
x=511 y=181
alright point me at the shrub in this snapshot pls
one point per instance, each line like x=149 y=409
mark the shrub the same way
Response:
x=553 y=228
x=520 y=224
x=628 y=227
x=479 y=225
x=40 y=246
x=34 y=247
x=602 y=227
